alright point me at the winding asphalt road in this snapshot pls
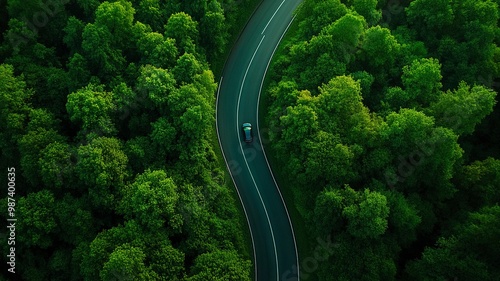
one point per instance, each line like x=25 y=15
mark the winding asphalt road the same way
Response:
x=274 y=246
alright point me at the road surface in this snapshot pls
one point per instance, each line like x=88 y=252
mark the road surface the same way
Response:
x=273 y=241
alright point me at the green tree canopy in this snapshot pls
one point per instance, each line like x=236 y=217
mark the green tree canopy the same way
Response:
x=14 y=109
x=41 y=132
x=102 y=167
x=156 y=50
x=470 y=253
x=462 y=109
x=421 y=152
x=91 y=108
x=157 y=84
x=37 y=221
x=57 y=166
x=184 y=30
x=214 y=30
x=379 y=51
x=127 y=262
x=151 y=200
x=368 y=9
x=422 y=82
x=220 y=265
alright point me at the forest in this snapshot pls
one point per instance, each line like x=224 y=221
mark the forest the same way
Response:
x=107 y=118
x=384 y=118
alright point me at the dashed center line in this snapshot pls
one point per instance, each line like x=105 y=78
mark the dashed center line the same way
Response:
x=272 y=17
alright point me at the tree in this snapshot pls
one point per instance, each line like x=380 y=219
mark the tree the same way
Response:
x=73 y=34
x=58 y=265
x=364 y=215
x=184 y=30
x=422 y=81
x=102 y=167
x=19 y=9
x=140 y=152
x=453 y=31
x=205 y=83
x=356 y=221
x=422 y=154
x=157 y=84
x=368 y=9
x=298 y=124
x=41 y=132
x=213 y=30
x=14 y=109
x=166 y=261
x=403 y=218
x=91 y=108
x=379 y=49
x=328 y=161
x=93 y=256
x=156 y=196
x=188 y=96
x=107 y=41
x=196 y=8
x=127 y=262
x=19 y=35
x=75 y=222
x=56 y=91
x=152 y=13
x=56 y=165
x=430 y=18
x=78 y=72
x=105 y=60
x=326 y=66
x=477 y=183
x=156 y=50
x=368 y=218
x=396 y=98
x=462 y=109
x=341 y=110
x=314 y=15
x=350 y=259
x=88 y=6
x=365 y=80
x=37 y=224
x=186 y=68
x=327 y=209
x=117 y=18
x=327 y=54
x=469 y=253
x=220 y=265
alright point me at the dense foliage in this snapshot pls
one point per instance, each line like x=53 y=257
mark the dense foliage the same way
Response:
x=384 y=119
x=107 y=115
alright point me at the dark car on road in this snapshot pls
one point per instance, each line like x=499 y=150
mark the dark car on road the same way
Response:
x=247 y=132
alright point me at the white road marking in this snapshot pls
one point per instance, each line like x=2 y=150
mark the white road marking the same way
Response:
x=232 y=178
x=264 y=152
x=272 y=17
x=246 y=162
x=265 y=156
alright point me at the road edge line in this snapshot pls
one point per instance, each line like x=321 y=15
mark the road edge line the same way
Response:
x=232 y=178
x=264 y=151
x=245 y=159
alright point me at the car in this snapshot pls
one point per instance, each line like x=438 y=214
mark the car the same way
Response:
x=247 y=132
